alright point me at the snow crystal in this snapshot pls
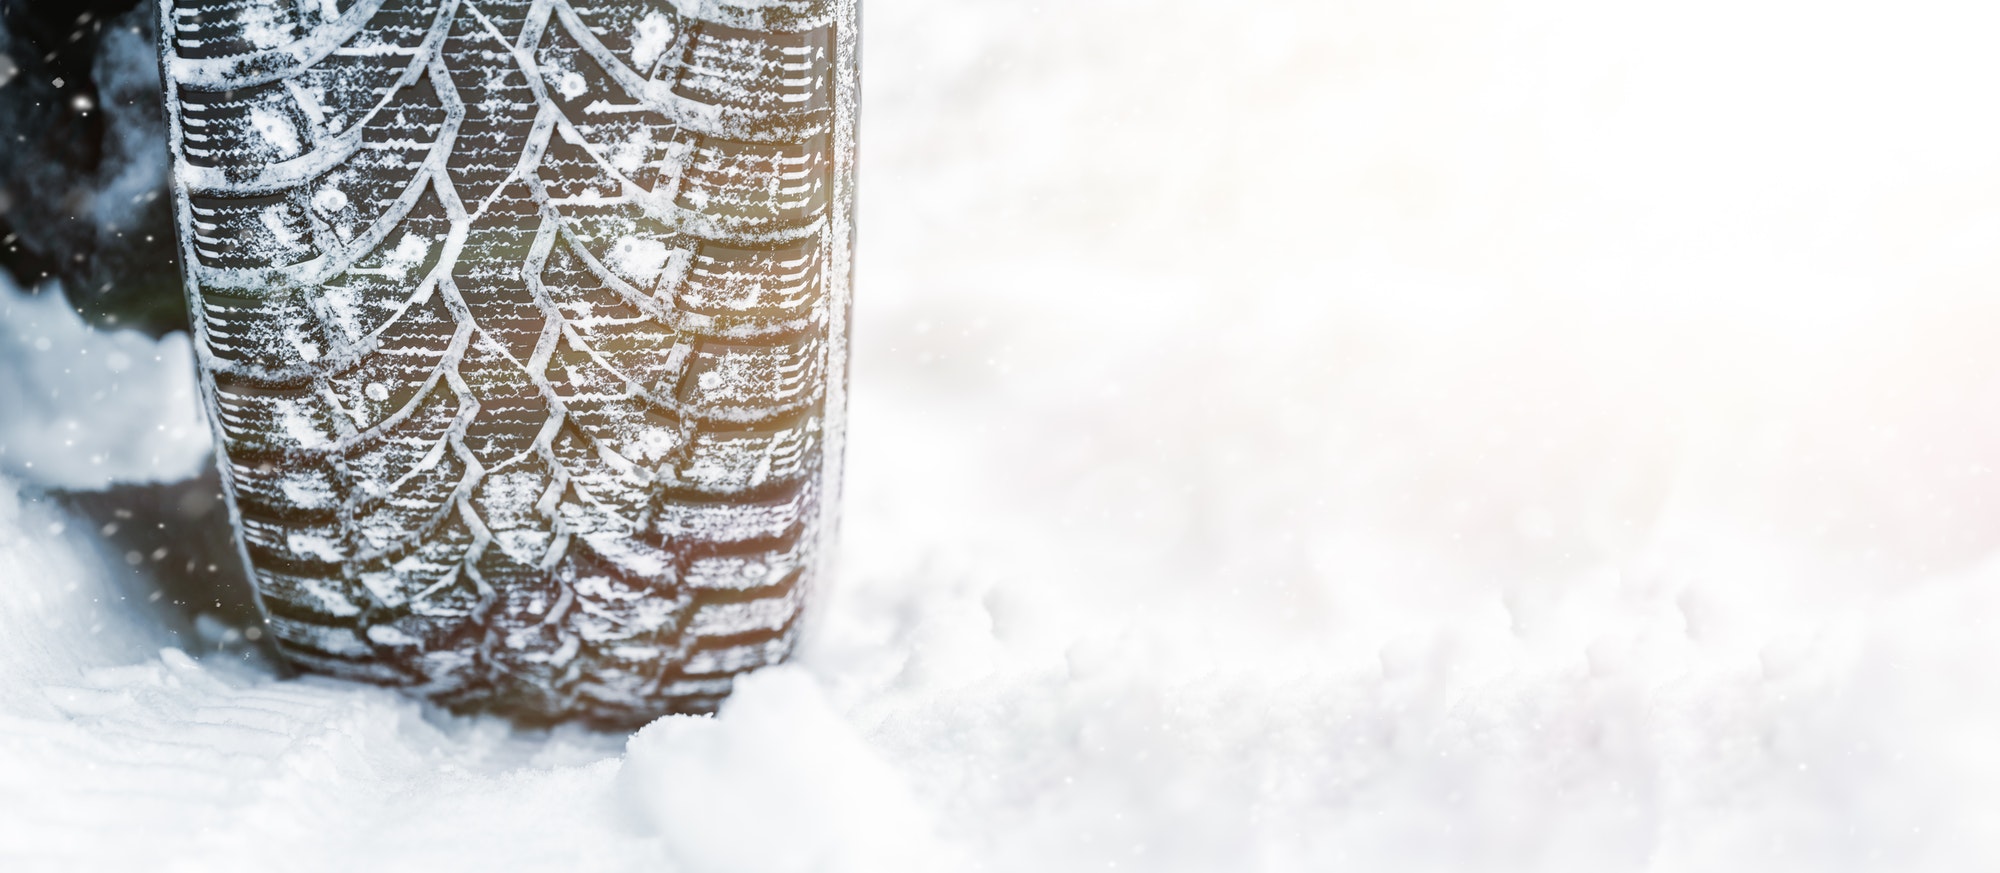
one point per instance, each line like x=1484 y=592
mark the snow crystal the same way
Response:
x=330 y=200
x=308 y=490
x=649 y=445
x=278 y=132
x=408 y=253
x=266 y=27
x=313 y=546
x=295 y=418
x=629 y=154
x=307 y=349
x=638 y=259
x=654 y=33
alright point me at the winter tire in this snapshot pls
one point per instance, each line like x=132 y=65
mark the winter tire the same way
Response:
x=522 y=327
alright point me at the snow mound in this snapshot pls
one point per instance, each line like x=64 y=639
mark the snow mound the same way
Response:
x=778 y=783
x=59 y=611
x=87 y=408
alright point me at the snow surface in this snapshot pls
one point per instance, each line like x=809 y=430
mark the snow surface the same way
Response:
x=1421 y=436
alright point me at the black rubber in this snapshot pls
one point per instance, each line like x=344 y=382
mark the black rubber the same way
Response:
x=523 y=329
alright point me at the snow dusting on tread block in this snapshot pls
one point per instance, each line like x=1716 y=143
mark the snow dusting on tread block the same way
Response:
x=523 y=326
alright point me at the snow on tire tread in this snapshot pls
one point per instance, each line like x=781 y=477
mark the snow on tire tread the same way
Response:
x=523 y=331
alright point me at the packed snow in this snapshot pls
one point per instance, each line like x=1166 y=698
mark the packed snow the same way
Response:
x=1397 y=436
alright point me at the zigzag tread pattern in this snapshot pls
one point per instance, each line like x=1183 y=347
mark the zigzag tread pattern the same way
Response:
x=523 y=331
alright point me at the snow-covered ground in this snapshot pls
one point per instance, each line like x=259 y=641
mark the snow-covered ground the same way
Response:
x=1546 y=435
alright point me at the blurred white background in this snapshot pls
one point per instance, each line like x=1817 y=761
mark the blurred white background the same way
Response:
x=1537 y=434
x=1414 y=435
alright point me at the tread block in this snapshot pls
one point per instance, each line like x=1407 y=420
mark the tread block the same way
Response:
x=395 y=141
x=782 y=283
x=500 y=105
x=353 y=79
x=347 y=89
x=573 y=176
x=358 y=668
x=749 y=610
x=222 y=28
x=759 y=74
x=602 y=496
x=633 y=344
x=511 y=409
x=426 y=579
x=303 y=541
x=690 y=519
x=736 y=653
x=380 y=284
x=608 y=407
x=243 y=130
x=311 y=598
x=273 y=419
x=381 y=465
x=491 y=268
x=276 y=331
x=750 y=187
x=623 y=136
x=714 y=689
x=621 y=597
x=730 y=461
x=506 y=500
x=410 y=353
x=268 y=484
x=421 y=500
x=289 y=495
x=526 y=595
x=629 y=246
x=748 y=565
x=743 y=383
x=339 y=642
x=256 y=231
x=641 y=34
